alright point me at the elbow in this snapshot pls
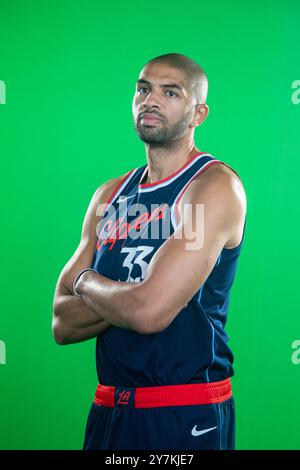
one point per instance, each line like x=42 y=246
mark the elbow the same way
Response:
x=150 y=322
x=155 y=318
x=149 y=329
x=145 y=317
x=58 y=333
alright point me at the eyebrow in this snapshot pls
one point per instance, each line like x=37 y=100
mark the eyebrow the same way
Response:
x=165 y=85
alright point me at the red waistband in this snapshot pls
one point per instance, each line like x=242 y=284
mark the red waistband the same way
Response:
x=166 y=395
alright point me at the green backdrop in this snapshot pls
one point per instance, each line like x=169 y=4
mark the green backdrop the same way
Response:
x=67 y=78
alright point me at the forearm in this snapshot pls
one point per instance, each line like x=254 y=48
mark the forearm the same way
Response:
x=74 y=321
x=119 y=303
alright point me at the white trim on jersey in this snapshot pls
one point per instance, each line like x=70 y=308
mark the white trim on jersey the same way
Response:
x=179 y=195
x=169 y=181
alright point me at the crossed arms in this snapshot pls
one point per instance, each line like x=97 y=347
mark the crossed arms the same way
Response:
x=176 y=271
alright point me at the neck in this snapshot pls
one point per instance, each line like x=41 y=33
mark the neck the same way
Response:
x=164 y=161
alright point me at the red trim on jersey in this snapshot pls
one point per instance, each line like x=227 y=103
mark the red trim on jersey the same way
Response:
x=149 y=185
x=98 y=243
x=168 y=395
x=176 y=211
x=118 y=187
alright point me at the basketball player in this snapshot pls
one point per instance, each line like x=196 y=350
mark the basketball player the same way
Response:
x=151 y=279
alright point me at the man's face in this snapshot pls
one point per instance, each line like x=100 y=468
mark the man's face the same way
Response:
x=171 y=108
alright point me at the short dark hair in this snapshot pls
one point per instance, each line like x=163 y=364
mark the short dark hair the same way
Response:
x=195 y=75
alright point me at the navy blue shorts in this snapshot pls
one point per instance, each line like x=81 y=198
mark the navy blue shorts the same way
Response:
x=123 y=426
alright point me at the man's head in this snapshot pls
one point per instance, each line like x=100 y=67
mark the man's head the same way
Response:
x=180 y=107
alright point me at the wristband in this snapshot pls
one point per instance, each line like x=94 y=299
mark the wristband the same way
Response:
x=78 y=276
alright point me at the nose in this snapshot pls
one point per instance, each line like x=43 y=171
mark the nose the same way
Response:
x=151 y=100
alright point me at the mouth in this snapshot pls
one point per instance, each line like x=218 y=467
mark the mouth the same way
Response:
x=150 y=119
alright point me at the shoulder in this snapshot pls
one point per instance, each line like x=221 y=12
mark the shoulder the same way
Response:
x=103 y=194
x=220 y=190
x=105 y=191
x=218 y=183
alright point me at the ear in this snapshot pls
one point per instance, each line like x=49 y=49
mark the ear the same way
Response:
x=201 y=112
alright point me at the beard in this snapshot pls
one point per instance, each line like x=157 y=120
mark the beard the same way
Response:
x=162 y=133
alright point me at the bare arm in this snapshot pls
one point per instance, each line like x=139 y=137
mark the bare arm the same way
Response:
x=73 y=320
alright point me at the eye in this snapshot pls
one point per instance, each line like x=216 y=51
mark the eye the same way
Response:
x=170 y=91
x=141 y=88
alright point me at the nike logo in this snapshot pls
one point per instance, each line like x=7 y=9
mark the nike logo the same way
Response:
x=124 y=198
x=203 y=431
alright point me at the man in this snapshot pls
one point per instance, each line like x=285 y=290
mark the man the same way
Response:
x=151 y=279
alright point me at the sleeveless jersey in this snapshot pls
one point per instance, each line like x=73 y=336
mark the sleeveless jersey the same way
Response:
x=193 y=348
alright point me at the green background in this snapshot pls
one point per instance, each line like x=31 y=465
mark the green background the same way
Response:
x=70 y=69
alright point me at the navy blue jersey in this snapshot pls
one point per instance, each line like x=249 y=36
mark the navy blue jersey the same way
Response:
x=193 y=348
